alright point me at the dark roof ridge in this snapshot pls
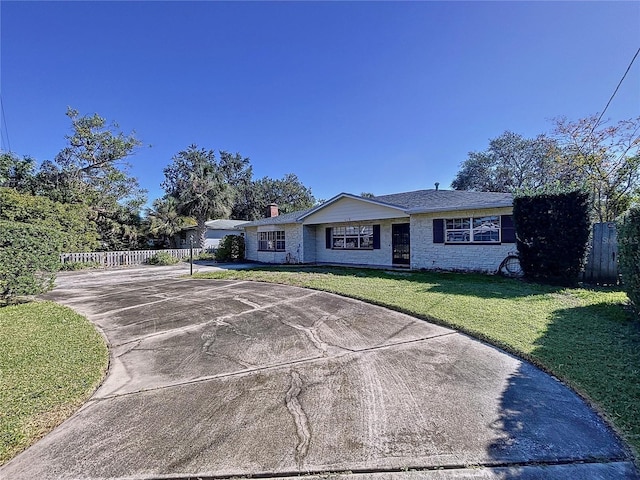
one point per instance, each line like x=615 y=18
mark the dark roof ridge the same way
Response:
x=416 y=201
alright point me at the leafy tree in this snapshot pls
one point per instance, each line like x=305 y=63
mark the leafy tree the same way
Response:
x=511 y=163
x=197 y=182
x=94 y=152
x=165 y=221
x=17 y=173
x=120 y=228
x=238 y=174
x=236 y=169
x=288 y=193
x=70 y=221
x=205 y=188
x=605 y=159
x=601 y=159
x=92 y=169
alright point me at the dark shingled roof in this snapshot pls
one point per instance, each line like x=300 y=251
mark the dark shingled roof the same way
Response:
x=443 y=200
x=419 y=201
x=279 y=220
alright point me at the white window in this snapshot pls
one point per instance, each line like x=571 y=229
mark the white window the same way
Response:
x=473 y=229
x=271 y=241
x=352 y=237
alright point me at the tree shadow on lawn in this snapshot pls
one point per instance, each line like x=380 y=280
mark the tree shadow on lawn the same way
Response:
x=596 y=350
x=543 y=423
x=597 y=347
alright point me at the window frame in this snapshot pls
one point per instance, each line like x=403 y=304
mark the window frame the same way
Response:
x=353 y=236
x=272 y=241
x=467 y=229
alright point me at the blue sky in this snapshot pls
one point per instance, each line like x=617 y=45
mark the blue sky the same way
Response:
x=350 y=96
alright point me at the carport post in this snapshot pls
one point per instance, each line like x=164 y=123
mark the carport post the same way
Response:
x=190 y=254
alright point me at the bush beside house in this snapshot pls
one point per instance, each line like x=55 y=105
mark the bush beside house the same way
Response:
x=552 y=231
x=231 y=249
x=629 y=255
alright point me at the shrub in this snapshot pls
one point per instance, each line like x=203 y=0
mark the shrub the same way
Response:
x=72 y=266
x=162 y=258
x=205 y=256
x=629 y=255
x=231 y=249
x=552 y=232
x=29 y=259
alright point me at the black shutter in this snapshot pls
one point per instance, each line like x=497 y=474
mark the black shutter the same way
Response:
x=327 y=233
x=508 y=229
x=376 y=237
x=438 y=230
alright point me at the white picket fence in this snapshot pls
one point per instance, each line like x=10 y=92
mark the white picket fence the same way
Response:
x=125 y=258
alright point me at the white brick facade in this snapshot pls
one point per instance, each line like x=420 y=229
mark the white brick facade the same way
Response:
x=440 y=256
x=305 y=234
x=381 y=256
x=294 y=246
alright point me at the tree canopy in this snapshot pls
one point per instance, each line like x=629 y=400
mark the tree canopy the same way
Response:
x=288 y=193
x=91 y=171
x=205 y=186
x=605 y=160
x=511 y=163
x=599 y=158
x=17 y=173
x=164 y=220
x=195 y=178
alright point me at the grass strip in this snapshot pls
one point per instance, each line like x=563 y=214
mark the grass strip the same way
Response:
x=51 y=360
x=585 y=337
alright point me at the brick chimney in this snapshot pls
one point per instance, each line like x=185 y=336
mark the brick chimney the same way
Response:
x=272 y=210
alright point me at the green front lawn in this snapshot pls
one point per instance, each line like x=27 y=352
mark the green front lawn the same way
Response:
x=586 y=337
x=51 y=360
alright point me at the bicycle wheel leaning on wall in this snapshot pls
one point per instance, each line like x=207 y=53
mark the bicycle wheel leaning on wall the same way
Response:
x=510 y=266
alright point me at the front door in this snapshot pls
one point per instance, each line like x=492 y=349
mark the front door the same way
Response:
x=400 y=244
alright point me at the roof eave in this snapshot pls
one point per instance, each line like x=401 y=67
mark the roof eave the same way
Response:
x=347 y=195
x=413 y=211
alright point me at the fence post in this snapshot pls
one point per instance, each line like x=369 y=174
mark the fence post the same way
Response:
x=190 y=254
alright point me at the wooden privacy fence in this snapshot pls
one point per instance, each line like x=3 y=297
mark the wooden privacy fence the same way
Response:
x=124 y=258
x=602 y=261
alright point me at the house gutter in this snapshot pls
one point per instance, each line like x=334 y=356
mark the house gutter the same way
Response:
x=413 y=211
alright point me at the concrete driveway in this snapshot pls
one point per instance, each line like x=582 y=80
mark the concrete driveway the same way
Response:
x=216 y=379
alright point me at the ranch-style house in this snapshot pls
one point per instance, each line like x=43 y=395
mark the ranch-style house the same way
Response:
x=424 y=229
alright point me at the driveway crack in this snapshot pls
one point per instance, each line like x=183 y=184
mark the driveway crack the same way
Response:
x=300 y=418
x=311 y=333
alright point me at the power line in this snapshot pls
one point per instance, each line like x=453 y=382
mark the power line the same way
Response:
x=614 y=92
x=4 y=127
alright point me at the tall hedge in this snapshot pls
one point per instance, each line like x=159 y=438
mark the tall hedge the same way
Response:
x=552 y=233
x=629 y=255
x=29 y=259
x=79 y=233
